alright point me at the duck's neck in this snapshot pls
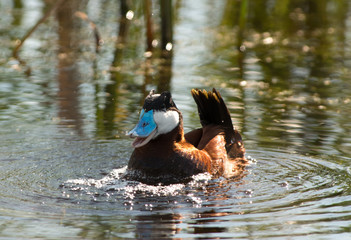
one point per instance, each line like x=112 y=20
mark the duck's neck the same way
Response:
x=174 y=136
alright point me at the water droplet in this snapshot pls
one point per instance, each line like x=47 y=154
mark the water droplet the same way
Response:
x=148 y=54
x=242 y=48
x=305 y=48
x=248 y=192
x=169 y=46
x=243 y=83
x=268 y=40
x=154 y=43
x=130 y=15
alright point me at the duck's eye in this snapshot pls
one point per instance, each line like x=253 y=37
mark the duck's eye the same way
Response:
x=145 y=124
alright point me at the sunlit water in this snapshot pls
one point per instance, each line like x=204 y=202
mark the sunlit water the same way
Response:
x=80 y=193
x=64 y=152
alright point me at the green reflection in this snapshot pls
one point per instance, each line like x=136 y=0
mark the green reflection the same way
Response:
x=283 y=68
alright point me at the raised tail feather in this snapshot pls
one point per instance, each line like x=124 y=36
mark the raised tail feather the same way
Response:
x=212 y=110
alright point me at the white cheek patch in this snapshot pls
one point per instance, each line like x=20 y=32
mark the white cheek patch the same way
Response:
x=166 y=121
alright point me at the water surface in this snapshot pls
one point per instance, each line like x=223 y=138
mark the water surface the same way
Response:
x=65 y=109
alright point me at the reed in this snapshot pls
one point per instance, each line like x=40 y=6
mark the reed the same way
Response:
x=166 y=25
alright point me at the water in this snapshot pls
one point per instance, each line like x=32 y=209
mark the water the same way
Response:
x=65 y=111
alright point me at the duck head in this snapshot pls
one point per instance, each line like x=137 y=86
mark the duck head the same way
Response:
x=159 y=116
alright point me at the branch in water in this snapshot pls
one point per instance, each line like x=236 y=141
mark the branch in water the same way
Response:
x=41 y=20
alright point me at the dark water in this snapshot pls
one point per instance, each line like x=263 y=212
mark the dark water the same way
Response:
x=283 y=68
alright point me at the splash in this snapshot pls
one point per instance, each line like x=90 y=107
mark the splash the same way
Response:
x=103 y=183
x=114 y=187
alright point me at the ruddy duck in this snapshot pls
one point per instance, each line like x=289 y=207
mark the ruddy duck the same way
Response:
x=164 y=154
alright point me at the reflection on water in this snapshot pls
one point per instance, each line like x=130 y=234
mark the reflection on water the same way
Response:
x=283 y=67
x=68 y=73
x=296 y=190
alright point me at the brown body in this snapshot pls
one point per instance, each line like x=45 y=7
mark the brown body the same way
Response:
x=174 y=157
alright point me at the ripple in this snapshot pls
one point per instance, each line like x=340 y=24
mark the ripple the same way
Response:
x=280 y=195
